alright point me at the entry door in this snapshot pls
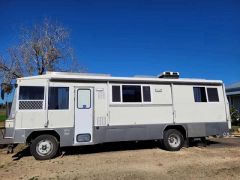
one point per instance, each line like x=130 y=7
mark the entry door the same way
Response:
x=83 y=115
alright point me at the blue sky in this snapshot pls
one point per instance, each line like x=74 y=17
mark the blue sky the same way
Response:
x=200 y=39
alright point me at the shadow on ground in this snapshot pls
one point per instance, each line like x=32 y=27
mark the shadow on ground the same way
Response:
x=118 y=146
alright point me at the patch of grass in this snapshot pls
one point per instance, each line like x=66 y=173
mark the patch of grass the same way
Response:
x=3 y=116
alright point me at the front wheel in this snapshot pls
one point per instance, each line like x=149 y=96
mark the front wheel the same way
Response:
x=44 y=147
x=173 y=140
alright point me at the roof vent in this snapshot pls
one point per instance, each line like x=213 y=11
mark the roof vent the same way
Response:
x=168 y=74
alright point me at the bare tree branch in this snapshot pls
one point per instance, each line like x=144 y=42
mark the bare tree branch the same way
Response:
x=42 y=47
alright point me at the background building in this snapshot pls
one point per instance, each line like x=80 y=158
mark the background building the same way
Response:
x=233 y=95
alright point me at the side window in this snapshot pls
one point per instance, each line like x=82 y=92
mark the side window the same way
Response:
x=31 y=93
x=131 y=93
x=212 y=95
x=199 y=94
x=116 y=96
x=84 y=99
x=31 y=97
x=58 y=98
x=146 y=94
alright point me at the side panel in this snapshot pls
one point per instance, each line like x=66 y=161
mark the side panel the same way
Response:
x=207 y=129
x=140 y=115
x=158 y=111
x=59 y=118
x=155 y=131
x=101 y=105
x=30 y=118
x=189 y=111
x=128 y=133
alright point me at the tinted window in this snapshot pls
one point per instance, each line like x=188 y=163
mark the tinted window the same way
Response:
x=146 y=94
x=116 y=96
x=212 y=95
x=58 y=98
x=31 y=93
x=131 y=93
x=199 y=94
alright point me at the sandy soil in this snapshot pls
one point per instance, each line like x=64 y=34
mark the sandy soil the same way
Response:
x=219 y=160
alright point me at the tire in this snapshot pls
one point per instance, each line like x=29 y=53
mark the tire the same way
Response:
x=173 y=140
x=44 y=147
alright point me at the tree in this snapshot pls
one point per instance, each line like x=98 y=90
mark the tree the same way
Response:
x=235 y=116
x=41 y=47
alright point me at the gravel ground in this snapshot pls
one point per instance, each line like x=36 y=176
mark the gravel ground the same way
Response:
x=143 y=160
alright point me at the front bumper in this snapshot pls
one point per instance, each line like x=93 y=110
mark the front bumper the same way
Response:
x=4 y=139
x=7 y=132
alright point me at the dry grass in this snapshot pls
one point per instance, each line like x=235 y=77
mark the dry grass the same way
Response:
x=217 y=161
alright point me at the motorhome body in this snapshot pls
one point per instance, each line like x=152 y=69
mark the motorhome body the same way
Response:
x=71 y=109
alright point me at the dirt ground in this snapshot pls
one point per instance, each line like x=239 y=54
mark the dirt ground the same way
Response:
x=143 y=160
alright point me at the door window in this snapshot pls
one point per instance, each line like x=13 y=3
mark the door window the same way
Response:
x=84 y=99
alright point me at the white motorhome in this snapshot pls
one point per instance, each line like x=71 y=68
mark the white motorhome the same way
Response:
x=73 y=109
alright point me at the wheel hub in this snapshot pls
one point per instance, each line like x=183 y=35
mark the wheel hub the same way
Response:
x=174 y=140
x=44 y=147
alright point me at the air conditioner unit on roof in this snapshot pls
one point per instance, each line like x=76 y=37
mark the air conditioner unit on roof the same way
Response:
x=169 y=74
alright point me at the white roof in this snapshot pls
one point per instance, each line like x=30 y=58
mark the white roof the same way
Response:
x=67 y=76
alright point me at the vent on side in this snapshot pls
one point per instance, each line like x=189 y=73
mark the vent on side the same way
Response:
x=30 y=105
x=169 y=74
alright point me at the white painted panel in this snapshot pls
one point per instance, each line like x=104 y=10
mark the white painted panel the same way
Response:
x=140 y=115
x=189 y=111
x=100 y=105
x=161 y=94
x=158 y=111
x=30 y=119
x=60 y=118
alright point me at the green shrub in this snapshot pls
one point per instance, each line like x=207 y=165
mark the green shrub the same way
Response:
x=2 y=116
x=235 y=116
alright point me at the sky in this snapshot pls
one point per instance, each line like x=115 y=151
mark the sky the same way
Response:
x=199 y=39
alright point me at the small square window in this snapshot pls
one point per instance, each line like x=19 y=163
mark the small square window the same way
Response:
x=116 y=96
x=146 y=94
x=199 y=94
x=212 y=95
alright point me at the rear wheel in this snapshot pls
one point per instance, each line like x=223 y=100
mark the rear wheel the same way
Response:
x=44 y=147
x=173 y=140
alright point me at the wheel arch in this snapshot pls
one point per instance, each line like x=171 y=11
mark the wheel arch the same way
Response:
x=32 y=135
x=180 y=128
